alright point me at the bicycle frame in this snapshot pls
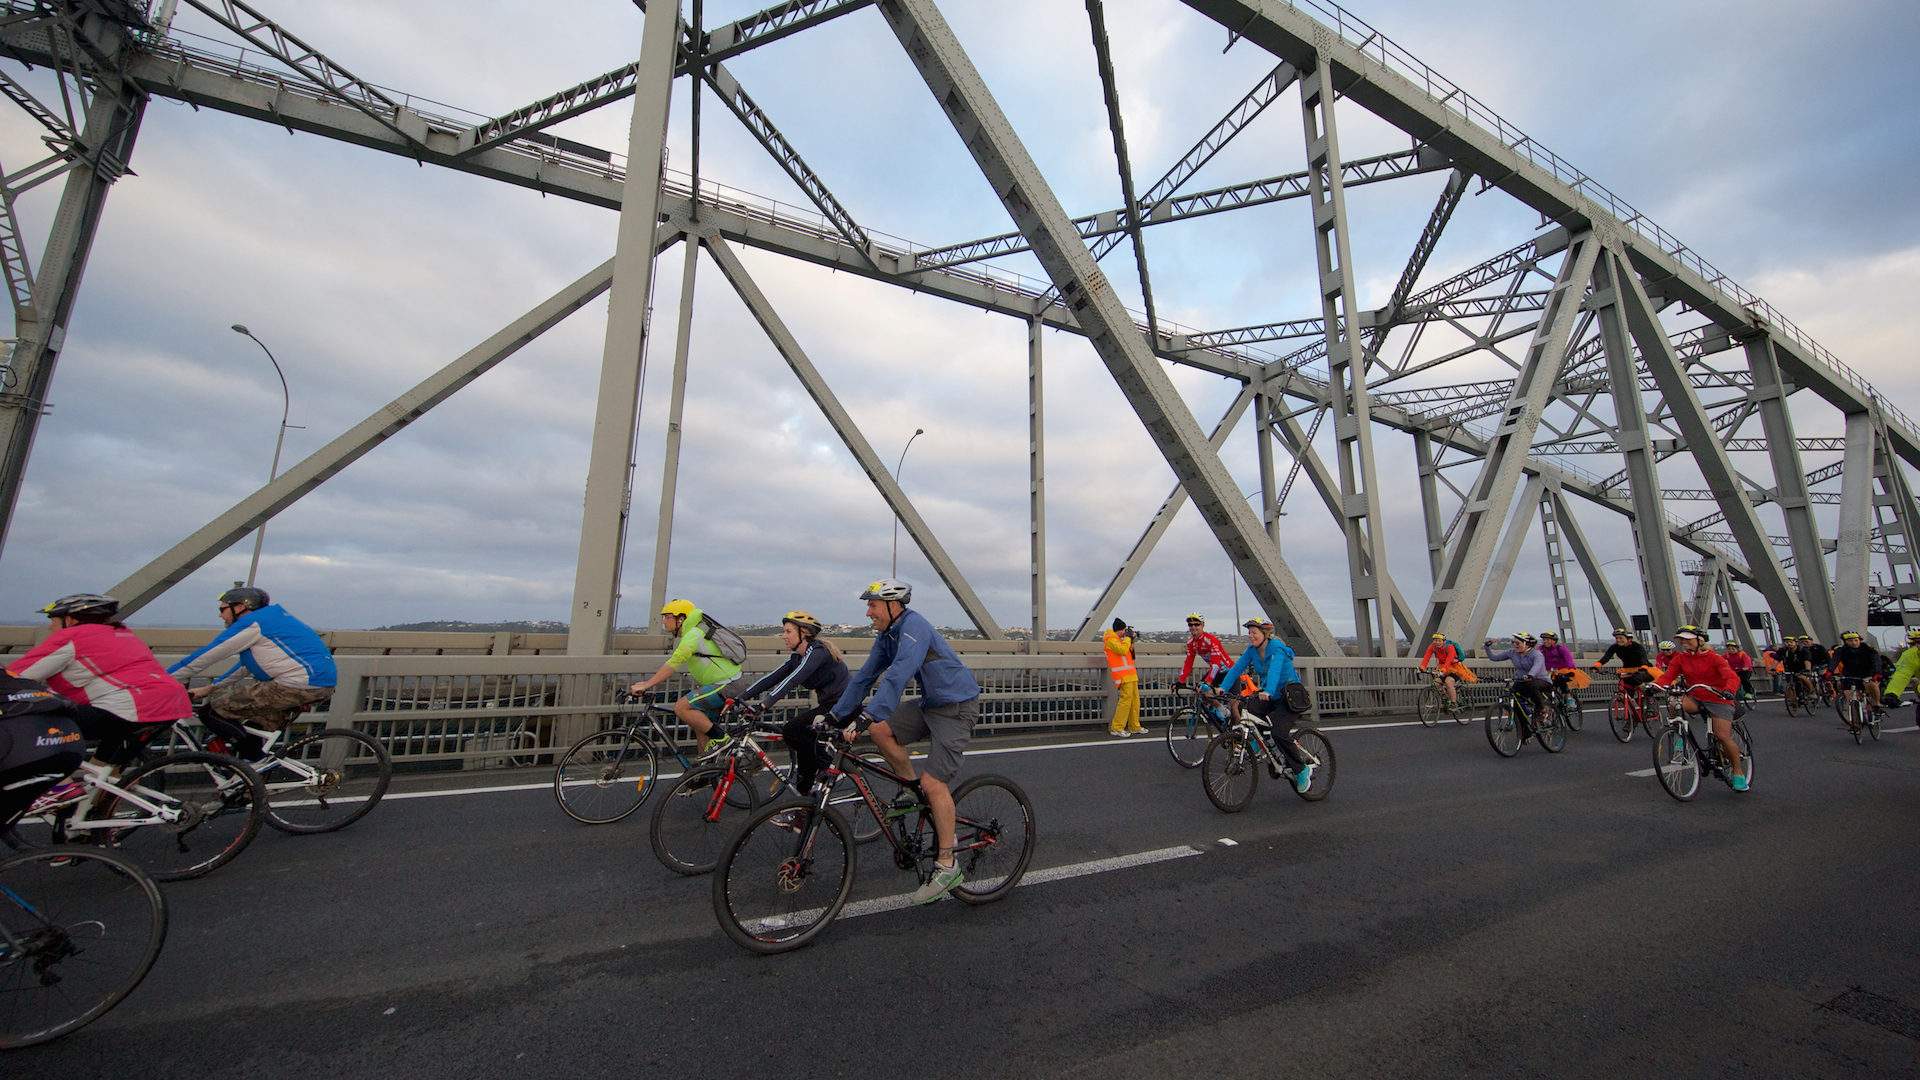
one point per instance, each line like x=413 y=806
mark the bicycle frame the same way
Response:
x=1207 y=702
x=97 y=778
x=838 y=770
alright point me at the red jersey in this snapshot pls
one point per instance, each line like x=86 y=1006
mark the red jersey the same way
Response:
x=1706 y=672
x=1204 y=646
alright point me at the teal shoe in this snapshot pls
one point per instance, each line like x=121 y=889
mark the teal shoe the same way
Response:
x=1739 y=783
x=1303 y=779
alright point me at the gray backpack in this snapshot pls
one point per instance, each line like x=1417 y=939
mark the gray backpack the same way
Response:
x=733 y=647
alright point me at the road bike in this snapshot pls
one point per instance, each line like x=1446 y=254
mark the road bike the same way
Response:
x=1231 y=773
x=179 y=816
x=1510 y=723
x=318 y=783
x=697 y=815
x=1433 y=704
x=1858 y=711
x=79 y=928
x=1627 y=709
x=1681 y=755
x=1194 y=723
x=1566 y=705
x=785 y=876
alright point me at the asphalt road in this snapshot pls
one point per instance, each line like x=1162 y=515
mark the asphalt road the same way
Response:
x=1444 y=912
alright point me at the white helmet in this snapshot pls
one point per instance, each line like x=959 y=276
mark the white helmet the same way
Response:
x=888 y=589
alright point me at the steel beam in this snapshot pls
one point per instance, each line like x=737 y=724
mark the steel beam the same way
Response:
x=1110 y=90
x=1485 y=510
x=1896 y=515
x=1558 y=583
x=1500 y=571
x=1263 y=453
x=173 y=567
x=1449 y=201
x=623 y=359
x=1737 y=614
x=1763 y=565
x=1036 y=487
x=1703 y=590
x=977 y=118
x=676 y=409
x=1851 y=556
x=1430 y=506
x=849 y=432
x=1590 y=564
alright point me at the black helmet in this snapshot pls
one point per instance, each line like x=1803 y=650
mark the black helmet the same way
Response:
x=254 y=599
x=80 y=604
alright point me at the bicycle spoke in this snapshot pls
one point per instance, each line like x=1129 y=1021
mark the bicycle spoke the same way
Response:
x=784 y=878
x=87 y=933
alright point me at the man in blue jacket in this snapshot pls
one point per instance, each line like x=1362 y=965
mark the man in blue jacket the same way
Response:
x=290 y=669
x=1270 y=663
x=907 y=648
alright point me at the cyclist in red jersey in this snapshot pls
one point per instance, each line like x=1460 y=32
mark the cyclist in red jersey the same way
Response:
x=1206 y=648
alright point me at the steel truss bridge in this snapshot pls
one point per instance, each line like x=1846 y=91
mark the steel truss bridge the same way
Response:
x=1624 y=344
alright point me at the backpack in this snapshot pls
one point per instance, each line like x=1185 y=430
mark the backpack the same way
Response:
x=733 y=647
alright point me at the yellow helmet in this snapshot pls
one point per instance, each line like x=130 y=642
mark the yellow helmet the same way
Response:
x=801 y=619
x=682 y=608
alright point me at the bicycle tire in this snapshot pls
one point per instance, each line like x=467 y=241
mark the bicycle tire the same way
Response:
x=1326 y=768
x=1573 y=715
x=34 y=906
x=1620 y=718
x=1229 y=768
x=1742 y=736
x=682 y=837
x=757 y=887
x=994 y=813
x=355 y=788
x=606 y=776
x=1503 y=733
x=1873 y=723
x=1188 y=732
x=160 y=849
x=1549 y=733
x=1430 y=705
x=1676 y=764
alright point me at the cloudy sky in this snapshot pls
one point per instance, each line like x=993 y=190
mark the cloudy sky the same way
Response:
x=1729 y=123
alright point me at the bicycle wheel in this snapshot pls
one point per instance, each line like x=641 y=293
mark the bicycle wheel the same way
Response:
x=770 y=898
x=1676 y=763
x=1745 y=739
x=1503 y=732
x=1573 y=715
x=1431 y=705
x=220 y=801
x=1874 y=716
x=1188 y=731
x=1549 y=733
x=339 y=778
x=992 y=837
x=1620 y=718
x=1230 y=772
x=1319 y=749
x=606 y=776
x=692 y=822
x=75 y=939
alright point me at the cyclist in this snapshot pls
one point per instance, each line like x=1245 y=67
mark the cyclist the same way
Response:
x=121 y=694
x=1560 y=663
x=1742 y=665
x=1126 y=679
x=1664 y=656
x=1205 y=648
x=1710 y=687
x=1770 y=662
x=1903 y=670
x=811 y=664
x=1795 y=665
x=1819 y=661
x=290 y=666
x=1857 y=663
x=906 y=648
x=710 y=671
x=40 y=744
x=1270 y=663
x=1529 y=670
x=1444 y=655
x=1634 y=670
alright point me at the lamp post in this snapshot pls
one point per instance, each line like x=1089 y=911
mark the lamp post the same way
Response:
x=273 y=471
x=1593 y=608
x=897 y=466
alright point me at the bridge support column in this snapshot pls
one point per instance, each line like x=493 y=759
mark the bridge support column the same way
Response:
x=1770 y=393
x=1500 y=571
x=1263 y=406
x=1557 y=572
x=1898 y=524
x=1036 y=489
x=676 y=409
x=1590 y=564
x=1851 y=555
x=1430 y=504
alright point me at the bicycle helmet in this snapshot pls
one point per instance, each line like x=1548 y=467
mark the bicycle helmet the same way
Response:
x=254 y=599
x=1666 y=646
x=1548 y=635
x=1914 y=634
x=1621 y=631
x=682 y=608
x=83 y=604
x=1853 y=634
x=1439 y=637
x=1256 y=623
x=806 y=623
x=888 y=589
x=1194 y=617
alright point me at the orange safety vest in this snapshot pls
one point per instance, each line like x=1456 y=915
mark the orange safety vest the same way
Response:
x=1119 y=657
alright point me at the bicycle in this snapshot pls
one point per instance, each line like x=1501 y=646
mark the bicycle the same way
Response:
x=785 y=876
x=1434 y=704
x=79 y=929
x=1510 y=723
x=1627 y=709
x=1566 y=706
x=1194 y=724
x=1679 y=754
x=1231 y=774
x=180 y=816
x=685 y=833
x=1861 y=716
x=1828 y=691
x=318 y=783
x=608 y=775
x=1798 y=695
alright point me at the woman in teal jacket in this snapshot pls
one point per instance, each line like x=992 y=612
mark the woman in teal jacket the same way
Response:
x=1270 y=663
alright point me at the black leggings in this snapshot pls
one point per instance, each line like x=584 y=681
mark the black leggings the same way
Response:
x=120 y=740
x=1534 y=691
x=241 y=743
x=804 y=746
x=1275 y=713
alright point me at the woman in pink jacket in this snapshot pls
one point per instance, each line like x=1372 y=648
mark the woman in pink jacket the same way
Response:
x=97 y=663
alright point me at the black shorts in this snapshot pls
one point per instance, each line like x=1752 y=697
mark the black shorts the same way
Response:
x=120 y=740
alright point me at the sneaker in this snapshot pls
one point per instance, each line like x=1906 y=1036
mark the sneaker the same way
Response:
x=1739 y=783
x=790 y=820
x=1116 y=734
x=715 y=746
x=942 y=882
x=60 y=794
x=1303 y=779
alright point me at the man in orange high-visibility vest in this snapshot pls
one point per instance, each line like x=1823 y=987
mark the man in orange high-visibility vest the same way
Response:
x=1126 y=714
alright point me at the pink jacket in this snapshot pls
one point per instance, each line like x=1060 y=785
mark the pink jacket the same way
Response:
x=109 y=668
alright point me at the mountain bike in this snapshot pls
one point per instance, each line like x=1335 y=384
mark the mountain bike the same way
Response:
x=1861 y=713
x=1680 y=754
x=318 y=783
x=785 y=876
x=1194 y=723
x=1434 y=705
x=608 y=775
x=1798 y=695
x=79 y=928
x=1627 y=710
x=1232 y=770
x=1510 y=723
x=1566 y=706
x=178 y=816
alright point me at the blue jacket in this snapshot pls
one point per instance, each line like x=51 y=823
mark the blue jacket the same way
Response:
x=909 y=649
x=1528 y=665
x=1271 y=666
x=272 y=645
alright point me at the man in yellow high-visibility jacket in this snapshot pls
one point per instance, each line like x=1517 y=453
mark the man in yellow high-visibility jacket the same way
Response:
x=1126 y=714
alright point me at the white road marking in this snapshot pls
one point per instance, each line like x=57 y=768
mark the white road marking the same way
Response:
x=1643 y=772
x=1229 y=842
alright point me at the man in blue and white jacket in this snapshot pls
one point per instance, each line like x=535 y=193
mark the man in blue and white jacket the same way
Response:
x=289 y=666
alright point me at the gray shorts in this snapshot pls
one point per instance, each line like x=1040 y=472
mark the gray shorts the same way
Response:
x=1714 y=710
x=950 y=728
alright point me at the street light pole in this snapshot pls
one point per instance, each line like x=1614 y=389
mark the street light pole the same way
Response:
x=897 y=466
x=273 y=471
